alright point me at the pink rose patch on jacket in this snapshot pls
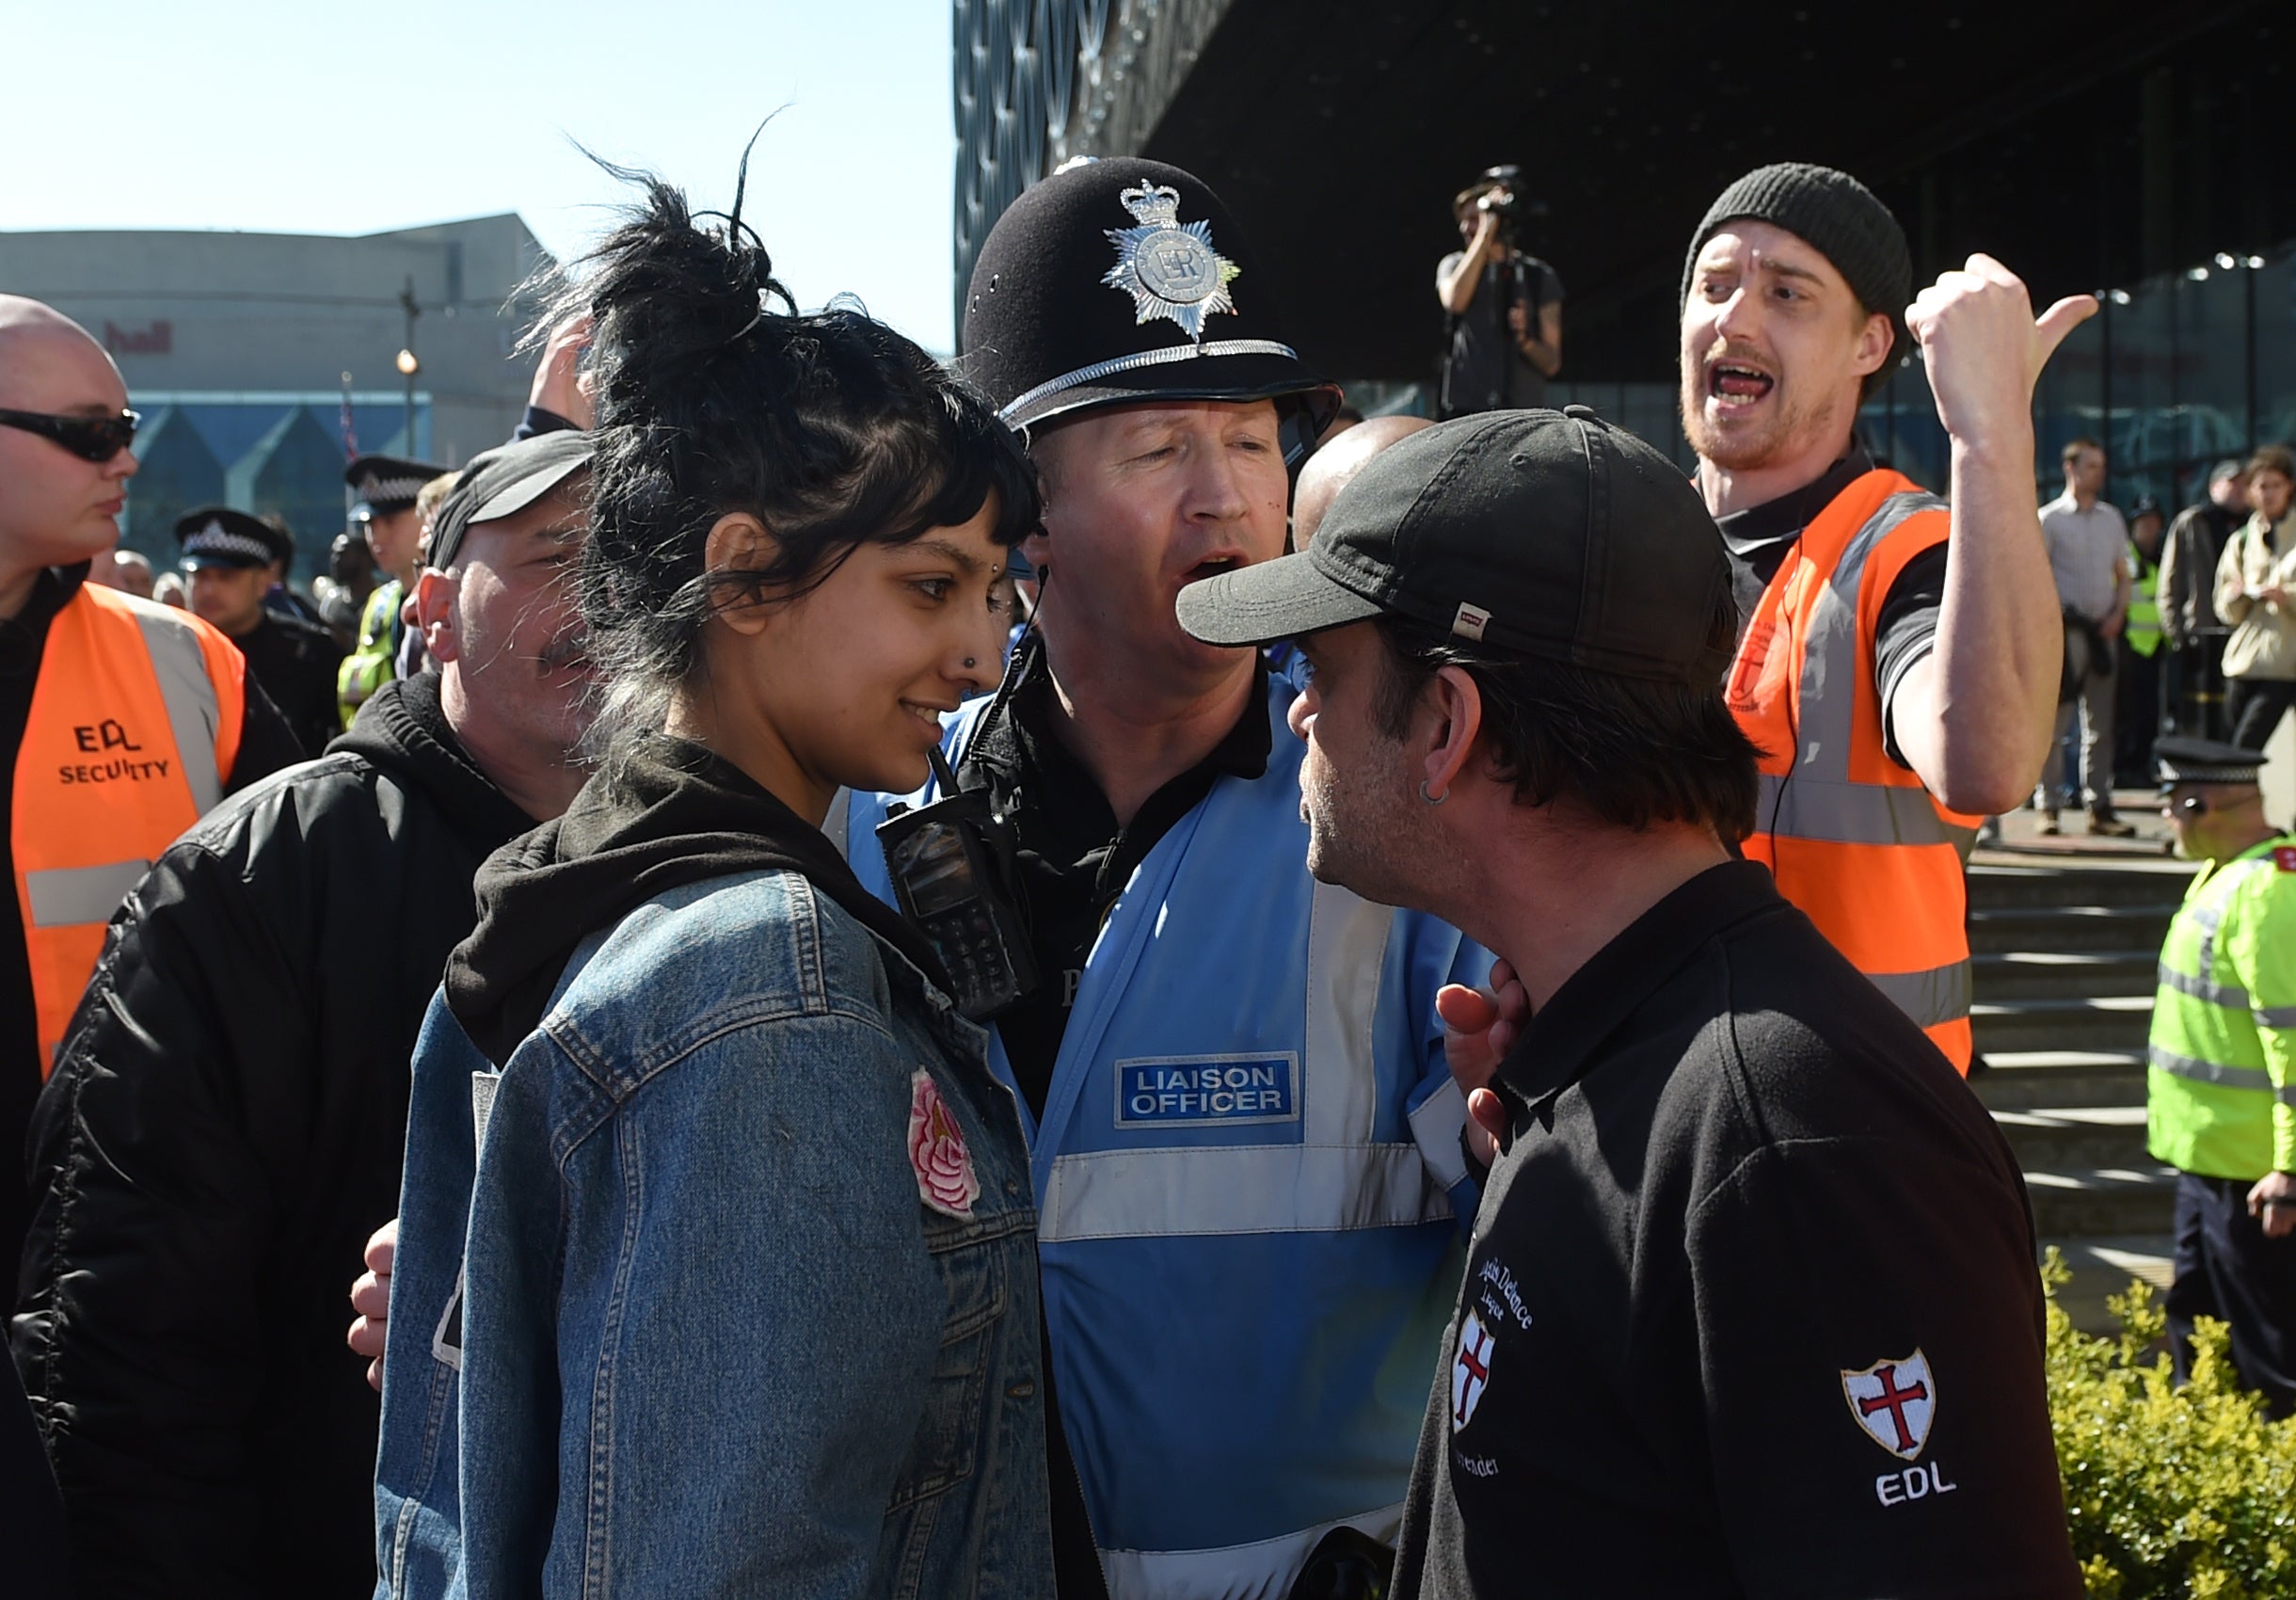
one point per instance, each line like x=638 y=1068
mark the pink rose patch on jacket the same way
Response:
x=945 y=1178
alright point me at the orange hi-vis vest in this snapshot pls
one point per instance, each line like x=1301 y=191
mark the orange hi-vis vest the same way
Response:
x=134 y=725
x=1853 y=838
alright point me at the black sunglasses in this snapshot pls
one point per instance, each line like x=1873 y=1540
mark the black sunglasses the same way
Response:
x=2190 y=804
x=92 y=438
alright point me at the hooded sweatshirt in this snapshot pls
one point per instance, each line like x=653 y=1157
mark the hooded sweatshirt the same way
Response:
x=670 y=813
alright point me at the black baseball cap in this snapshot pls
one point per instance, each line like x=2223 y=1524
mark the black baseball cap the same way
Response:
x=502 y=483
x=216 y=535
x=1116 y=281
x=1549 y=532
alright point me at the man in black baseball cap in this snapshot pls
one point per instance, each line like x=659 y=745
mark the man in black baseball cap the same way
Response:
x=228 y=1124
x=1931 y=672
x=1516 y=623
x=1243 y=1284
x=228 y=560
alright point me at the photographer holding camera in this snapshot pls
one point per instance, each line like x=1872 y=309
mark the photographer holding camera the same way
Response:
x=1504 y=308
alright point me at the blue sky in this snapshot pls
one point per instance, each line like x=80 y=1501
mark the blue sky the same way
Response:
x=303 y=117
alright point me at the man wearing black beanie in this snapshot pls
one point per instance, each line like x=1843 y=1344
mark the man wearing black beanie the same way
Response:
x=1900 y=657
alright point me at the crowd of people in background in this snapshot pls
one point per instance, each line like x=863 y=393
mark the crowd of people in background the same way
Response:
x=913 y=980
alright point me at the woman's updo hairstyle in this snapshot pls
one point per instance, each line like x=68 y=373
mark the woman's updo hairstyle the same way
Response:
x=832 y=429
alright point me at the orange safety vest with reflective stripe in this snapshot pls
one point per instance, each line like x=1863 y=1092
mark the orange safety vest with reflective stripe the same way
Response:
x=1852 y=837
x=134 y=725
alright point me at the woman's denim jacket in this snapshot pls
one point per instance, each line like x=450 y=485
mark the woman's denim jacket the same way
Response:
x=712 y=1338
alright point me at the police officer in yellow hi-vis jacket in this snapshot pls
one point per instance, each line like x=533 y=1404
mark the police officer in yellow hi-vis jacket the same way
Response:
x=2222 y=1073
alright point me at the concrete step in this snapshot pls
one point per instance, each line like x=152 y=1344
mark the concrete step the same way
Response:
x=2086 y=927
x=2052 y=974
x=2106 y=1266
x=2062 y=1138
x=2017 y=1081
x=2097 y=1202
x=2145 y=883
x=2099 y=1022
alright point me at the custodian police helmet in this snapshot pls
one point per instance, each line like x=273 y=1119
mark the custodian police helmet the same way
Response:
x=1122 y=280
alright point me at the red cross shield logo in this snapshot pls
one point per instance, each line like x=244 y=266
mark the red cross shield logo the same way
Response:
x=1470 y=1370
x=1894 y=1402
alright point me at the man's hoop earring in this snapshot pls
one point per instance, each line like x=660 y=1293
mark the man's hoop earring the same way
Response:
x=1432 y=799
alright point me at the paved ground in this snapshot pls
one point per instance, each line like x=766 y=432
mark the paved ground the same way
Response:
x=2021 y=845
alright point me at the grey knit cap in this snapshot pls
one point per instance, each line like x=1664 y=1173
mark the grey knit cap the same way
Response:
x=1839 y=218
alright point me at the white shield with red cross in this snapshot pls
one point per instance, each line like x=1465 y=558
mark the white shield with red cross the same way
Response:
x=1896 y=1401
x=1470 y=1370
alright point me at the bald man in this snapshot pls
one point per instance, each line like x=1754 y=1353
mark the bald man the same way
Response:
x=147 y=717
x=1332 y=468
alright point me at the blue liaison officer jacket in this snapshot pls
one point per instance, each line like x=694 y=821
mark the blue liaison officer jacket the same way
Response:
x=1250 y=1193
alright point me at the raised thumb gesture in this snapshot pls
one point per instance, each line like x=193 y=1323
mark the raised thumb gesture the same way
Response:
x=1977 y=335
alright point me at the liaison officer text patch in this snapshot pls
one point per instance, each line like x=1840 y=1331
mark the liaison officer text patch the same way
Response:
x=1225 y=1090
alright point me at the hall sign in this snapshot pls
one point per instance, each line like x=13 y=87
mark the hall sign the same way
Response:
x=156 y=340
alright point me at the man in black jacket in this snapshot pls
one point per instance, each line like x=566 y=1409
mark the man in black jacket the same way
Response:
x=224 y=1126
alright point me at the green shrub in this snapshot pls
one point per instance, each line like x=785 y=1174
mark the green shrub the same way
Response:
x=2171 y=1493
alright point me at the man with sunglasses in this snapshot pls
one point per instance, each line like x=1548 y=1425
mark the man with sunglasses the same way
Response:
x=2223 y=1074
x=120 y=721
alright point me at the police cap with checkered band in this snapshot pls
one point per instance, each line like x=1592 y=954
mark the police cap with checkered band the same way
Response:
x=216 y=535
x=384 y=484
x=1112 y=282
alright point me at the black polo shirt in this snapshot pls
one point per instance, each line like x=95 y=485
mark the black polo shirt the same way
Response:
x=1749 y=1225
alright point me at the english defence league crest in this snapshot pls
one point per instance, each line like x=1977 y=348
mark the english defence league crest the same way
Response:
x=1169 y=267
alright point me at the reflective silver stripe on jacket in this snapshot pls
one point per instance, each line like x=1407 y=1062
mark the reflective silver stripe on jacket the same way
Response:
x=1831 y=654
x=2200 y=988
x=1939 y=995
x=2211 y=1071
x=194 y=714
x=1261 y=1567
x=1818 y=800
x=1238 y=1189
x=65 y=897
x=1839 y=813
x=2275 y=1015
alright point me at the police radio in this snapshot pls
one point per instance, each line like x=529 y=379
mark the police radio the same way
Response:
x=953 y=867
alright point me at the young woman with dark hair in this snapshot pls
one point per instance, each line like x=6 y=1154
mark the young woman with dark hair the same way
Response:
x=747 y=1304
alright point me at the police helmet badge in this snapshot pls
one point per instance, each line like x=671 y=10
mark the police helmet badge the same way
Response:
x=1171 y=268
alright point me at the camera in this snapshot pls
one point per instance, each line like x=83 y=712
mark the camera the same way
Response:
x=1501 y=196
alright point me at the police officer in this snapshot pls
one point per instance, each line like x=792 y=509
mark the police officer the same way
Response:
x=2222 y=1100
x=228 y=557
x=1750 y=1306
x=388 y=488
x=1246 y=1144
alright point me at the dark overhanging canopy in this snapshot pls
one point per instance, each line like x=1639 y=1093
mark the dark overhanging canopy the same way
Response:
x=2084 y=149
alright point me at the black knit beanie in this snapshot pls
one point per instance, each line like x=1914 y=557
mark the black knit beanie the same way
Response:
x=1839 y=218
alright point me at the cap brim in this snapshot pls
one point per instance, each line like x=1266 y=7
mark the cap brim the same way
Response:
x=1258 y=376
x=529 y=490
x=1273 y=599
